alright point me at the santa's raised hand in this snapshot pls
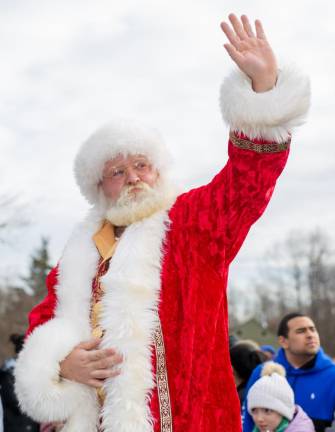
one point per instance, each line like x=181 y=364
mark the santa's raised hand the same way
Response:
x=251 y=51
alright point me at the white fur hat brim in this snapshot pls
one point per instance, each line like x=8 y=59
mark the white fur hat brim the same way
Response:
x=119 y=137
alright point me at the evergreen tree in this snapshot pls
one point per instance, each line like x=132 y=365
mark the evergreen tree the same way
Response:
x=39 y=269
x=16 y=303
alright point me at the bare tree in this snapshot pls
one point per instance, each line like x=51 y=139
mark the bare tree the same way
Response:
x=240 y=304
x=14 y=302
x=321 y=284
x=299 y=274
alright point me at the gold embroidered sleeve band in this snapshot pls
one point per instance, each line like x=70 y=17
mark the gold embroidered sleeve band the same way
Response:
x=246 y=144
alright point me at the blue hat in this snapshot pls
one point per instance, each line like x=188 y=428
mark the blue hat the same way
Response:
x=268 y=348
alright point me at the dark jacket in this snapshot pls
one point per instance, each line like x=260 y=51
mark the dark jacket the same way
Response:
x=14 y=419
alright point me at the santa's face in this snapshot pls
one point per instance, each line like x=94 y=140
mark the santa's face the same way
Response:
x=128 y=174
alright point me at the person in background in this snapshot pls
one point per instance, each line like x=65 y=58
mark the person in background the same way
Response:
x=309 y=371
x=14 y=420
x=245 y=355
x=269 y=351
x=271 y=403
x=233 y=339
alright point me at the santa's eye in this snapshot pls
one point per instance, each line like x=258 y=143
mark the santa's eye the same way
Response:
x=118 y=172
x=141 y=165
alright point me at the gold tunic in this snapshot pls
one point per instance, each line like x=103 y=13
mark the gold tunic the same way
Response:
x=106 y=243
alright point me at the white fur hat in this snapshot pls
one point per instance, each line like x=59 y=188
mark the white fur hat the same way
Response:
x=272 y=391
x=117 y=137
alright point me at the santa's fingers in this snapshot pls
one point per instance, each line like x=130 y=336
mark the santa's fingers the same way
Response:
x=247 y=26
x=89 y=344
x=103 y=374
x=95 y=383
x=260 y=30
x=238 y=27
x=100 y=354
x=231 y=36
x=107 y=362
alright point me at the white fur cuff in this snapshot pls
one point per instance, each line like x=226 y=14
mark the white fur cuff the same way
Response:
x=271 y=115
x=40 y=392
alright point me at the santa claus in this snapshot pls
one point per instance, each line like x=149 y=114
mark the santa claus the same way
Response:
x=133 y=335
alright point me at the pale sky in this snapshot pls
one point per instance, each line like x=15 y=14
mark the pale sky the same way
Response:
x=69 y=66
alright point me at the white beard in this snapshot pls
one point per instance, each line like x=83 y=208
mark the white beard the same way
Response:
x=131 y=207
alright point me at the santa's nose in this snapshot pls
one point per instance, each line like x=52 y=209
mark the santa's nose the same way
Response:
x=132 y=177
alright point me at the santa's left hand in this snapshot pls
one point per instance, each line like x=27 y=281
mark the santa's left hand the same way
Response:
x=251 y=52
x=90 y=365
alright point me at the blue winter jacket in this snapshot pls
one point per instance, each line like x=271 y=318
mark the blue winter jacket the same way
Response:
x=314 y=389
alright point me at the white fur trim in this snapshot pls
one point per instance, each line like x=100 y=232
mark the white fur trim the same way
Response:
x=130 y=317
x=118 y=137
x=271 y=115
x=41 y=394
x=77 y=269
x=132 y=293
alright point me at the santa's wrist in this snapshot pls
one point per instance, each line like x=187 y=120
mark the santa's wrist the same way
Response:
x=264 y=84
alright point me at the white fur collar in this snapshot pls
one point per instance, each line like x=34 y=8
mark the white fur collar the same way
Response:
x=130 y=314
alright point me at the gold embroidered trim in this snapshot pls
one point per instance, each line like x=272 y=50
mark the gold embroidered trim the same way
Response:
x=96 y=309
x=245 y=144
x=162 y=382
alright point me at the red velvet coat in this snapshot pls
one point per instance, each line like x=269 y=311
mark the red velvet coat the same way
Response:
x=208 y=227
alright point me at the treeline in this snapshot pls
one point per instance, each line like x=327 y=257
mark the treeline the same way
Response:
x=16 y=301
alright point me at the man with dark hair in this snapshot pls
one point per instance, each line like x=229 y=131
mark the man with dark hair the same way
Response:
x=310 y=372
x=283 y=325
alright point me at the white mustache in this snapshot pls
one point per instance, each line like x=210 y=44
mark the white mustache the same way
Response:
x=126 y=195
x=142 y=203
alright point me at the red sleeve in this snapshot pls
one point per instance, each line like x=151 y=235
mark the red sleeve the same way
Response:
x=221 y=213
x=44 y=311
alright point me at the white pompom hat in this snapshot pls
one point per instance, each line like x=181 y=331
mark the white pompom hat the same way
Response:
x=272 y=391
x=117 y=137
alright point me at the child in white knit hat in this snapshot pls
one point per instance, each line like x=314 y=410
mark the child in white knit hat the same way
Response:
x=271 y=403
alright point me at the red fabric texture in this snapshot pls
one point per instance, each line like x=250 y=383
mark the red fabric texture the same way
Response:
x=44 y=310
x=208 y=227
